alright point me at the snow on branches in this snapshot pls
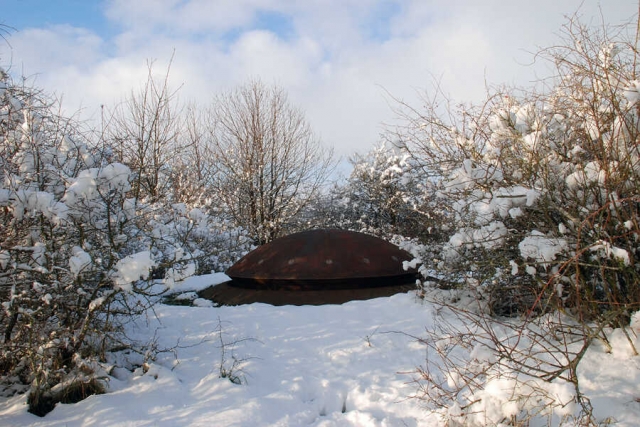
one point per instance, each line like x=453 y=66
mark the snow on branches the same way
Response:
x=542 y=191
x=77 y=250
x=543 y=182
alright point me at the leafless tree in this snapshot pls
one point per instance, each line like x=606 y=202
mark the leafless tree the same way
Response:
x=268 y=162
x=191 y=167
x=144 y=130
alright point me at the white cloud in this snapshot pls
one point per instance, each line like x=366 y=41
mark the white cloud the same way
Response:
x=320 y=51
x=44 y=49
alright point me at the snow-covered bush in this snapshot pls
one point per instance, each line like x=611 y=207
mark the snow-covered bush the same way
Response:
x=78 y=251
x=386 y=192
x=66 y=244
x=385 y=195
x=187 y=241
x=544 y=184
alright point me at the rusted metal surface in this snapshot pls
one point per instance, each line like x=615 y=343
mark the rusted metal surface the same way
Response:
x=323 y=259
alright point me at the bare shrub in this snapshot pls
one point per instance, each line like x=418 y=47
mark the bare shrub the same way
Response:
x=486 y=371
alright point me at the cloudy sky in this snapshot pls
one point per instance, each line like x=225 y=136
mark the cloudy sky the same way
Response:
x=335 y=58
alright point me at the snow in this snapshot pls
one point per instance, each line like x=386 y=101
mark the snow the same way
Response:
x=540 y=248
x=198 y=283
x=84 y=187
x=608 y=250
x=132 y=268
x=514 y=267
x=591 y=174
x=333 y=365
x=96 y=303
x=632 y=92
x=79 y=260
x=468 y=174
x=116 y=175
x=176 y=274
x=4 y=259
x=489 y=236
x=320 y=366
x=504 y=202
x=4 y=196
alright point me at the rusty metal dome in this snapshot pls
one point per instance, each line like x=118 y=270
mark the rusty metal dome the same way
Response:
x=323 y=259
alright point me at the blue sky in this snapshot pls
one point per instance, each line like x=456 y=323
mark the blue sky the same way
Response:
x=22 y=14
x=336 y=58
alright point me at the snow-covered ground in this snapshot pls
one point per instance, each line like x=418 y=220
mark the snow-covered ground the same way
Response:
x=333 y=365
